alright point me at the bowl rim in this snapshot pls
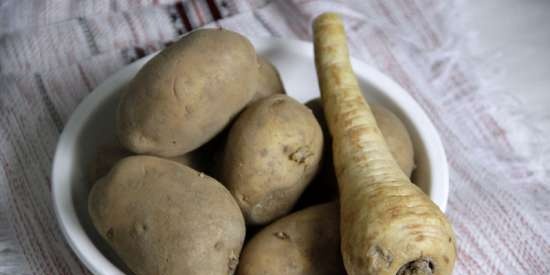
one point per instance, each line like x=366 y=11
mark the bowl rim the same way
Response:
x=64 y=209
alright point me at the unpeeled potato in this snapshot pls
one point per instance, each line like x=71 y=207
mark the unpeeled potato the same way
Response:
x=109 y=154
x=306 y=242
x=188 y=93
x=272 y=153
x=397 y=138
x=161 y=217
x=269 y=80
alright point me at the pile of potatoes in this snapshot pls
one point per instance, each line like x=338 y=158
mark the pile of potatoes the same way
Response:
x=211 y=146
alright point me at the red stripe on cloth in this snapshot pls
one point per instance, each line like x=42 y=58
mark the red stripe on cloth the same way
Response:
x=467 y=260
x=183 y=15
x=394 y=67
x=457 y=78
x=491 y=198
x=425 y=33
x=198 y=11
x=436 y=42
x=465 y=232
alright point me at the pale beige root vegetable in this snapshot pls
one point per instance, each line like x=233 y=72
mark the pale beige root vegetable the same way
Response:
x=161 y=217
x=272 y=152
x=324 y=186
x=269 y=80
x=306 y=242
x=392 y=128
x=388 y=225
x=188 y=93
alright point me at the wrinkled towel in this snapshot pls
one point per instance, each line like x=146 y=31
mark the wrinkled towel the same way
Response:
x=54 y=52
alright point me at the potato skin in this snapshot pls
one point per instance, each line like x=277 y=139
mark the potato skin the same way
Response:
x=161 y=217
x=269 y=80
x=272 y=153
x=187 y=93
x=306 y=242
x=109 y=154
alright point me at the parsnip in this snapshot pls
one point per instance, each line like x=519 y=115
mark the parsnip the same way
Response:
x=388 y=225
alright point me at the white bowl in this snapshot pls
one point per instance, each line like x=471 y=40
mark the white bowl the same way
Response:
x=92 y=124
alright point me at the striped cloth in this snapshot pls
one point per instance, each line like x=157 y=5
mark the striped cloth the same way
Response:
x=54 y=52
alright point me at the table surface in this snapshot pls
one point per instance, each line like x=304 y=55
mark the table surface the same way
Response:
x=515 y=37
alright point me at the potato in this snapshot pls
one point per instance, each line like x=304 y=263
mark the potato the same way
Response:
x=108 y=155
x=397 y=138
x=161 y=217
x=188 y=93
x=304 y=243
x=272 y=153
x=269 y=81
